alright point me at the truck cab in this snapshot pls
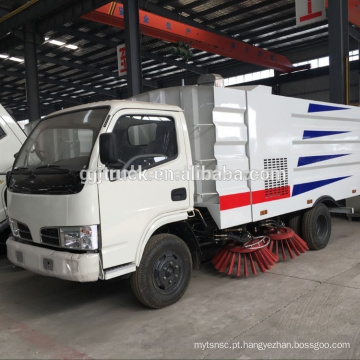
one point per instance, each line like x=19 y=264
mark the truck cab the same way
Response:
x=68 y=219
x=11 y=139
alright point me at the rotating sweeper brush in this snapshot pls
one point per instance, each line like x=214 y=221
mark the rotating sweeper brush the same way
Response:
x=284 y=240
x=233 y=259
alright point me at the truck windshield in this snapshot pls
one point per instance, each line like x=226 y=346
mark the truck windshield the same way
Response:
x=62 y=141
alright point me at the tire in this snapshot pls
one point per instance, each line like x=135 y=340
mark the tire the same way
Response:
x=316 y=227
x=295 y=222
x=164 y=272
x=3 y=237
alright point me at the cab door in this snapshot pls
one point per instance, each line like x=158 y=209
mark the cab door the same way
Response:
x=128 y=207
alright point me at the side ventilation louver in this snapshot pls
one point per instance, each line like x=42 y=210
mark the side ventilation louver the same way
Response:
x=278 y=183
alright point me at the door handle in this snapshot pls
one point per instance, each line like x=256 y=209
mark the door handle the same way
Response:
x=178 y=194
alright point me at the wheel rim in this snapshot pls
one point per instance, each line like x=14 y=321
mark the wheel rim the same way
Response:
x=321 y=227
x=168 y=272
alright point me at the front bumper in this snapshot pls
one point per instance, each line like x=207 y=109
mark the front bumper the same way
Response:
x=63 y=265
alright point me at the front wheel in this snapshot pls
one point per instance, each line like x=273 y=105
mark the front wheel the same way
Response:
x=164 y=272
x=316 y=227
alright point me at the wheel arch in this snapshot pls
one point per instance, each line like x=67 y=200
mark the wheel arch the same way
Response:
x=326 y=200
x=177 y=225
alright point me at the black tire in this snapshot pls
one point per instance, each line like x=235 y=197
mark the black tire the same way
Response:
x=316 y=227
x=295 y=222
x=3 y=238
x=164 y=272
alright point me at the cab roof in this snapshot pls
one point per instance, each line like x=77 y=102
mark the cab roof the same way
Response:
x=120 y=104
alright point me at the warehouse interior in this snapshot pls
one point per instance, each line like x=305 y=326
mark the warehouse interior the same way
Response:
x=301 y=302
x=74 y=50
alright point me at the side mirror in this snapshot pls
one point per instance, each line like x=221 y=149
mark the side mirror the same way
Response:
x=15 y=155
x=108 y=148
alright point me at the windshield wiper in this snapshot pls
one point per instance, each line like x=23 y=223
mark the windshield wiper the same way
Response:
x=21 y=168
x=54 y=167
x=47 y=166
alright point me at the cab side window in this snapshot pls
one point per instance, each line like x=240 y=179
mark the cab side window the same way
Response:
x=141 y=135
x=2 y=133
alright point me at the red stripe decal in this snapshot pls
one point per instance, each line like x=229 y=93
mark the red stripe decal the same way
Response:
x=234 y=201
x=261 y=196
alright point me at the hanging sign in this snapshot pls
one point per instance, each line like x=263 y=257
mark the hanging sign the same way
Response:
x=309 y=11
x=121 y=54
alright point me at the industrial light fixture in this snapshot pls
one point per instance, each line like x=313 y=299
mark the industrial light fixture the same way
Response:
x=52 y=41
x=12 y=58
x=72 y=47
x=61 y=43
x=57 y=42
x=17 y=59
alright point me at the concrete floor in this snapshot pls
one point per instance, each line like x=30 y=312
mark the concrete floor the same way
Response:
x=314 y=298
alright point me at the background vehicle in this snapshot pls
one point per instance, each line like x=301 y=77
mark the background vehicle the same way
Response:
x=156 y=229
x=11 y=139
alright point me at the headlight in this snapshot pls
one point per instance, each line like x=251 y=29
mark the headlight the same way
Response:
x=80 y=237
x=14 y=228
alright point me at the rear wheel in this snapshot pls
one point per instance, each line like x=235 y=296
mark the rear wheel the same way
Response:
x=316 y=227
x=295 y=222
x=164 y=272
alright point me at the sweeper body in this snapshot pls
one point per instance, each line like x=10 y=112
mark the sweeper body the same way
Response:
x=155 y=227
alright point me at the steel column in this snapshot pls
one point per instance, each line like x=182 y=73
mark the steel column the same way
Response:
x=339 y=51
x=132 y=43
x=31 y=73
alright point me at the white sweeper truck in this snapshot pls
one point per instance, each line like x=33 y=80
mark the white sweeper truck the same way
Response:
x=155 y=229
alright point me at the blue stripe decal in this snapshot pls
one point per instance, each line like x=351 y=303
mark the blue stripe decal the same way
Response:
x=306 y=160
x=303 y=188
x=318 y=108
x=310 y=134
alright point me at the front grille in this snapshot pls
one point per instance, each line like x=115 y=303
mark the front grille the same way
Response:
x=24 y=231
x=52 y=232
x=50 y=236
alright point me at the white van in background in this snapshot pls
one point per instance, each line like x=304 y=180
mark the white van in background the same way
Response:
x=11 y=139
